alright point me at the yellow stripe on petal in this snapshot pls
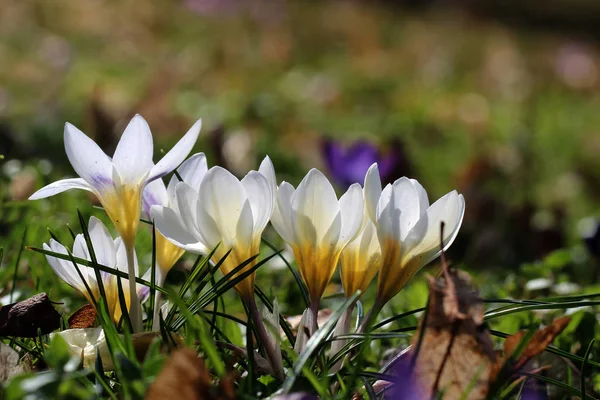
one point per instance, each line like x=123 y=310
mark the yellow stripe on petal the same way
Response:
x=392 y=277
x=357 y=269
x=317 y=266
x=239 y=254
x=167 y=253
x=124 y=206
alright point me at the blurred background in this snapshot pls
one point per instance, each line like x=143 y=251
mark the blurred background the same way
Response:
x=497 y=99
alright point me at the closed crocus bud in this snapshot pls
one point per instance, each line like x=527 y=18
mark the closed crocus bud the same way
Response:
x=408 y=228
x=318 y=227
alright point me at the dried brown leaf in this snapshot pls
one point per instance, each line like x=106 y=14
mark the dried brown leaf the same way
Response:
x=85 y=317
x=185 y=376
x=25 y=318
x=538 y=343
x=454 y=351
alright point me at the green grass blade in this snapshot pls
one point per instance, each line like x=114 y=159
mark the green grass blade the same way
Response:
x=588 y=352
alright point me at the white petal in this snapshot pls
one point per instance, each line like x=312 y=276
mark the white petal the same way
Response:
x=423 y=242
x=260 y=196
x=191 y=171
x=133 y=156
x=314 y=207
x=422 y=194
x=266 y=168
x=187 y=206
x=102 y=242
x=80 y=249
x=222 y=197
x=87 y=159
x=245 y=226
x=177 y=154
x=352 y=210
x=281 y=218
x=61 y=186
x=368 y=239
x=64 y=269
x=155 y=193
x=407 y=203
x=372 y=190
x=169 y=225
x=388 y=217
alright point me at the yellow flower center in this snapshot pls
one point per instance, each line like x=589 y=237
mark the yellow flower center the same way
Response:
x=123 y=206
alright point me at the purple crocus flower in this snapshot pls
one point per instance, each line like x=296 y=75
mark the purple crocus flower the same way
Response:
x=349 y=164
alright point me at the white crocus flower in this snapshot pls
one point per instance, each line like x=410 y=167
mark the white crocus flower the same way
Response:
x=110 y=253
x=408 y=229
x=119 y=182
x=223 y=211
x=156 y=193
x=231 y=214
x=318 y=227
x=87 y=344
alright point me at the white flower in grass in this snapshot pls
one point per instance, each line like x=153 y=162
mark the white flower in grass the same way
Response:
x=408 y=228
x=118 y=182
x=224 y=211
x=156 y=193
x=87 y=344
x=317 y=226
x=110 y=253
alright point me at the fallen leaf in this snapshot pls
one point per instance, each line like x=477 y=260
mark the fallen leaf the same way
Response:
x=453 y=351
x=25 y=318
x=538 y=343
x=85 y=317
x=185 y=376
x=9 y=361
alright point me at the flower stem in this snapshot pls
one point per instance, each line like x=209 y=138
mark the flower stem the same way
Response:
x=263 y=335
x=134 y=303
x=341 y=328
x=160 y=279
x=314 y=310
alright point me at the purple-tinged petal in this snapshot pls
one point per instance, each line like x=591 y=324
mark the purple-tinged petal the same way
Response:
x=87 y=159
x=155 y=193
x=61 y=186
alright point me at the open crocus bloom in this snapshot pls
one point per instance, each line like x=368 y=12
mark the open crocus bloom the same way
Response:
x=408 y=228
x=223 y=211
x=156 y=193
x=317 y=226
x=110 y=253
x=360 y=260
x=119 y=182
